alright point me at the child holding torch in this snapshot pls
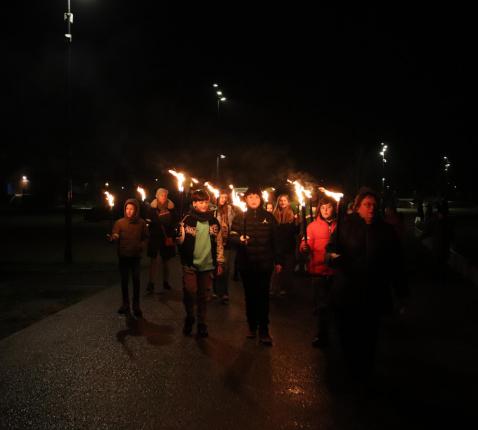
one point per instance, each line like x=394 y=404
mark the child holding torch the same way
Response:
x=131 y=234
x=318 y=235
x=201 y=251
x=254 y=234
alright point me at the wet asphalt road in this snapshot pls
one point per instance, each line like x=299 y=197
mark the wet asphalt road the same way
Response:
x=86 y=367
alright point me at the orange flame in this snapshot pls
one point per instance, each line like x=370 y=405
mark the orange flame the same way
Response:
x=142 y=192
x=335 y=196
x=236 y=200
x=213 y=190
x=180 y=177
x=301 y=192
x=265 y=196
x=110 y=198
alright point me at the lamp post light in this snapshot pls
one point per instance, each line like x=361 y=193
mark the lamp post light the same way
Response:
x=383 y=150
x=219 y=101
x=220 y=98
x=218 y=157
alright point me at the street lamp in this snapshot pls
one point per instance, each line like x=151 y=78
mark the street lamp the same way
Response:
x=220 y=98
x=68 y=254
x=383 y=150
x=218 y=157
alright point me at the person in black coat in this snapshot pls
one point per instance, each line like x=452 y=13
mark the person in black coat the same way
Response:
x=254 y=234
x=366 y=253
x=161 y=245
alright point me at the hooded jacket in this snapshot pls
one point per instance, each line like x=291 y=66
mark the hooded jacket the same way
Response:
x=318 y=235
x=131 y=233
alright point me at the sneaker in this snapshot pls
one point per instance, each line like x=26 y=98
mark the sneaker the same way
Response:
x=265 y=338
x=150 y=287
x=188 y=326
x=124 y=309
x=137 y=311
x=202 y=330
x=167 y=285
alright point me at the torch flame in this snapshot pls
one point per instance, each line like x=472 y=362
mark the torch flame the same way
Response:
x=195 y=180
x=265 y=196
x=236 y=200
x=110 y=198
x=213 y=190
x=142 y=192
x=300 y=191
x=335 y=196
x=180 y=177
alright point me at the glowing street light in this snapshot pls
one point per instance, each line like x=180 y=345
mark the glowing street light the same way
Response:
x=383 y=150
x=218 y=157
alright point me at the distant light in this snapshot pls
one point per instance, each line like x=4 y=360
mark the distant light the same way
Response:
x=156 y=179
x=215 y=85
x=24 y=179
x=219 y=93
x=223 y=99
x=107 y=184
x=222 y=156
x=122 y=188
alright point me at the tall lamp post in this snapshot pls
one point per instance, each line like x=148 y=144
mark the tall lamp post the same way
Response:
x=218 y=158
x=220 y=98
x=68 y=254
x=383 y=150
x=446 y=167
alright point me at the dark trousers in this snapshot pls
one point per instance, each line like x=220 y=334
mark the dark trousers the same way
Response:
x=321 y=286
x=129 y=265
x=196 y=287
x=358 y=331
x=256 y=290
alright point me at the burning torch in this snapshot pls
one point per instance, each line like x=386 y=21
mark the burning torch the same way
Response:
x=111 y=202
x=337 y=197
x=180 y=178
x=302 y=193
x=236 y=201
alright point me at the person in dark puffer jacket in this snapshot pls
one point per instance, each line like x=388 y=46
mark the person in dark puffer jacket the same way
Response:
x=254 y=234
x=131 y=234
x=366 y=253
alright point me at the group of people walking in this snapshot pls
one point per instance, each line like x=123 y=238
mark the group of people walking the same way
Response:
x=353 y=260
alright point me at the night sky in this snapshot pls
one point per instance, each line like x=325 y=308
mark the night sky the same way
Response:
x=310 y=89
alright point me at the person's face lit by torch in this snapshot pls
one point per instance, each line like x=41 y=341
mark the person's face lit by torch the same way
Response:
x=253 y=201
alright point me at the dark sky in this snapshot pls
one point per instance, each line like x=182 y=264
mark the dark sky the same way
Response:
x=310 y=88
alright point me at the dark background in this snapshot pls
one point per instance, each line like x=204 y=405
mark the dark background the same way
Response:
x=312 y=90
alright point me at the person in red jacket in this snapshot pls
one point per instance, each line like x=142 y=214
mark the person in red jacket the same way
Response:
x=318 y=235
